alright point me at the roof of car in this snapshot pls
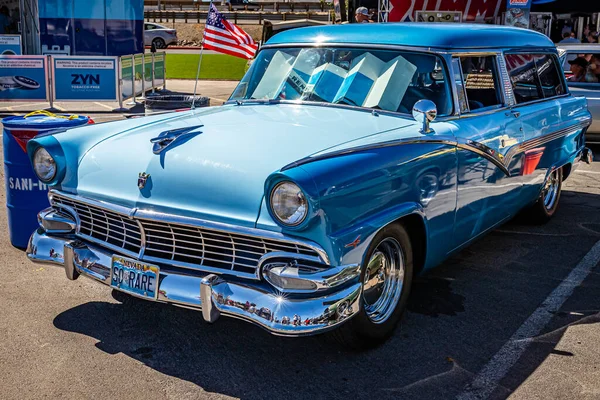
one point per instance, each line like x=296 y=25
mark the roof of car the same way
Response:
x=591 y=47
x=436 y=35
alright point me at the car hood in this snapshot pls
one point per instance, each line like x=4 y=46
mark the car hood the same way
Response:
x=219 y=171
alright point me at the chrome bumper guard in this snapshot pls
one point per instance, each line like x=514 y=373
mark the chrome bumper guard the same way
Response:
x=278 y=312
x=587 y=156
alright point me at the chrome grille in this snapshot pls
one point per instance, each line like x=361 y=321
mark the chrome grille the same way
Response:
x=216 y=249
x=105 y=226
x=181 y=245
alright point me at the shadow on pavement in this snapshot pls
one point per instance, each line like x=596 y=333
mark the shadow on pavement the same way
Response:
x=460 y=315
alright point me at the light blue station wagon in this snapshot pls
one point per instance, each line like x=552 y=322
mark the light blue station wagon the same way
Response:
x=348 y=160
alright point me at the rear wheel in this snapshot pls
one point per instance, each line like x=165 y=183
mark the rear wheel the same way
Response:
x=159 y=43
x=386 y=278
x=547 y=204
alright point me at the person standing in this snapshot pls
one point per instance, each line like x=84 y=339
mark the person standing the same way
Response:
x=362 y=15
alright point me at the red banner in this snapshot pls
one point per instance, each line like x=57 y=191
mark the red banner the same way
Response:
x=473 y=10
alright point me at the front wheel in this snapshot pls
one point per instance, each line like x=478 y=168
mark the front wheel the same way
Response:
x=547 y=204
x=386 y=277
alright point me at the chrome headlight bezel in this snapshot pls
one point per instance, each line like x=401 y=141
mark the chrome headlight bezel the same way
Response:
x=297 y=191
x=37 y=161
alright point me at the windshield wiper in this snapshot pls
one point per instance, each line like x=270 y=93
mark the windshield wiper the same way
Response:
x=240 y=102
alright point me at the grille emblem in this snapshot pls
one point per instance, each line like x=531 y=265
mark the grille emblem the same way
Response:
x=142 y=179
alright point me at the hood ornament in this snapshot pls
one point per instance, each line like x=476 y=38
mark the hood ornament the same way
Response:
x=142 y=179
x=167 y=138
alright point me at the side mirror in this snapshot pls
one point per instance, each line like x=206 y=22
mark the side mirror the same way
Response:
x=424 y=111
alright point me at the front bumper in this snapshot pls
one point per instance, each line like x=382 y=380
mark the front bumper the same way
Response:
x=257 y=302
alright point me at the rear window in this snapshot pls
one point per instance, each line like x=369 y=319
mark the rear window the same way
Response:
x=534 y=76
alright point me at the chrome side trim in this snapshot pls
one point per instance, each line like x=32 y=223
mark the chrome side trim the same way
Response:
x=484 y=151
x=502 y=162
x=541 y=140
x=444 y=140
x=470 y=145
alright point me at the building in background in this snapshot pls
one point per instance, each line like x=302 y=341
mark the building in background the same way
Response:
x=76 y=27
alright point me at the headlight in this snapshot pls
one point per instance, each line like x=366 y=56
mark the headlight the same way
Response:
x=44 y=165
x=288 y=203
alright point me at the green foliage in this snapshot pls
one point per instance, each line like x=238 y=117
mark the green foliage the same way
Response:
x=214 y=66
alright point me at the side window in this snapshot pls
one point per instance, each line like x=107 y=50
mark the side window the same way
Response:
x=481 y=81
x=460 y=87
x=523 y=77
x=549 y=73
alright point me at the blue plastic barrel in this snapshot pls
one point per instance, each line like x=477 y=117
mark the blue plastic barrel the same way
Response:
x=26 y=195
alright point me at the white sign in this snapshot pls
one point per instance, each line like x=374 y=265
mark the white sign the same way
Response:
x=84 y=64
x=11 y=40
x=20 y=63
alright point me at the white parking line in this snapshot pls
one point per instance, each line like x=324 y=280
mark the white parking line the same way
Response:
x=103 y=105
x=583 y=171
x=494 y=371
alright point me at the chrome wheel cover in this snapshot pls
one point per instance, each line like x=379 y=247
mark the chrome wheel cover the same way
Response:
x=383 y=280
x=550 y=190
x=158 y=43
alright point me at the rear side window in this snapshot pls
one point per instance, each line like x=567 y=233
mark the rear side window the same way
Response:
x=550 y=79
x=523 y=77
x=534 y=76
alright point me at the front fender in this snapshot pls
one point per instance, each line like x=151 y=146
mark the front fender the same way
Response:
x=362 y=192
x=357 y=239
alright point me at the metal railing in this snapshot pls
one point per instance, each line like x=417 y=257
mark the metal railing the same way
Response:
x=234 y=16
x=173 y=5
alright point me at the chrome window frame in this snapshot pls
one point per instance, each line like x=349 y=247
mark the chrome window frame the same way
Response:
x=499 y=76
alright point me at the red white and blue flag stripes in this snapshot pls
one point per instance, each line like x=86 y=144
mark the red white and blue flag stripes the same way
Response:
x=223 y=36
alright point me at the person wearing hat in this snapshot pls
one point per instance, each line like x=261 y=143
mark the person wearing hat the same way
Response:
x=362 y=15
x=593 y=69
x=578 y=68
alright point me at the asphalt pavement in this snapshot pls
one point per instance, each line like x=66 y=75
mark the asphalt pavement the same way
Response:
x=517 y=314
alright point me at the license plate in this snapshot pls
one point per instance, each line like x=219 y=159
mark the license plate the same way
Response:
x=135 y=277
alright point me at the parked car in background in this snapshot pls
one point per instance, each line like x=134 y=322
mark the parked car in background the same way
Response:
x=589 y=85
x=240 y=5
x=349 y=159
x=161 y=36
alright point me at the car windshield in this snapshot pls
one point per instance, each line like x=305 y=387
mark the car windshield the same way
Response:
x=387 y=80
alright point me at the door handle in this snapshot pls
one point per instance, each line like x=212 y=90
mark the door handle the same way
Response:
x=515 y=114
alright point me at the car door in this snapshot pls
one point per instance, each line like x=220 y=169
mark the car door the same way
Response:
x=487 y=192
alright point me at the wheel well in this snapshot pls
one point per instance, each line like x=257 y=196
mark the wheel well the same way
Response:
x=566 y=171
x=415 y=226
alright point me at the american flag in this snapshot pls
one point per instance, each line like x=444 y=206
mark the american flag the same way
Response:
x=223 y=36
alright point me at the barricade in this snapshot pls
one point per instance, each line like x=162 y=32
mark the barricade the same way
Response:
x=26 y=195
x=54 y=78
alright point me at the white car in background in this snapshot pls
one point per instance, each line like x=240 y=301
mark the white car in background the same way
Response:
x=590 y=90
x=159 y=35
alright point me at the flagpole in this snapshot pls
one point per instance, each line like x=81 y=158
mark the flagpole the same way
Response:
x=200 y=59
